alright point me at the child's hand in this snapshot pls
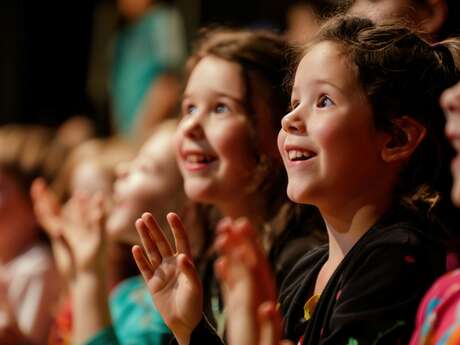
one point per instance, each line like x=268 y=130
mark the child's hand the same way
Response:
x=48 y=212
x=170 y=275
x=249 y=293
x=84 y=233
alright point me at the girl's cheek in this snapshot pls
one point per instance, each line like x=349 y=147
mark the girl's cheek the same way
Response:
x=281 y=140
x=323 y=132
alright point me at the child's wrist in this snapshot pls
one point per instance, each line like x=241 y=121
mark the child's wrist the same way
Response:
x=89 y=279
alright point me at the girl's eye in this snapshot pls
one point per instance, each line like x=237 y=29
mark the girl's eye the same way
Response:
x=221 y=108
x=189 y=109
x=294 y=104
x=324 y=102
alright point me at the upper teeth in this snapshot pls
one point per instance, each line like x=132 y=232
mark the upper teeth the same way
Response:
x=197 y=158
x=295 y=154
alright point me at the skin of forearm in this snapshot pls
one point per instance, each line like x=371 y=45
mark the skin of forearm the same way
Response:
x=90 y=305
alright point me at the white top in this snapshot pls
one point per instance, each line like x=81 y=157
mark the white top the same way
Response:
x=29 y=287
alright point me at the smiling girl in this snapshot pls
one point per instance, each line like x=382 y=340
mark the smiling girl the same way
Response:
x=361 y=143
x=226 y=150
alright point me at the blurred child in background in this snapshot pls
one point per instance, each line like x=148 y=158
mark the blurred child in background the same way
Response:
x=150 y=182
x=29 y=281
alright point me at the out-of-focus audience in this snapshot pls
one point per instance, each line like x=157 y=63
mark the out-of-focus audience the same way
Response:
x=342 y=114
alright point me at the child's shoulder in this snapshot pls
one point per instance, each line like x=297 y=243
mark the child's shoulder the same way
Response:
x=401 y=243
x=406 y=229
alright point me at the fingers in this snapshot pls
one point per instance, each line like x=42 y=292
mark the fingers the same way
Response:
x=238 y=243
x=269 y=324
x=221 y=269
x=97 y=214
x=142 y=263
x=46 y=207
x=160 y=239
x=188 y=268
x=148 y=243
x=180 y=236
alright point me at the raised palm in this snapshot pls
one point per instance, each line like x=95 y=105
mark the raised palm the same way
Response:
x=170 y=275
x=83 y=230
x=48 y=212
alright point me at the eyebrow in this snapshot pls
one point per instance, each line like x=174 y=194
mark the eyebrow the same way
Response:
x=220 y=95
x=323 y=81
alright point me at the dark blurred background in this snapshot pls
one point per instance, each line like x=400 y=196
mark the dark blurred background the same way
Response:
x=46 y=48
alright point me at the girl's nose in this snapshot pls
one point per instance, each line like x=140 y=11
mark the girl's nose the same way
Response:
x=293 y=123
x=193 y=127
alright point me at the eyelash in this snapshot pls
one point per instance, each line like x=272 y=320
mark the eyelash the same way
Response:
x=190 y=109
x=221 y=105
x=187 y=109
x=294 y=104
x=323 y=98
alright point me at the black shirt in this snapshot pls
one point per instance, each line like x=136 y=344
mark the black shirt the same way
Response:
x=373 y=295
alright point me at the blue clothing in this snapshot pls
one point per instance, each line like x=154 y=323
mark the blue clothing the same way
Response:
x=144 y=50
x=135 y=320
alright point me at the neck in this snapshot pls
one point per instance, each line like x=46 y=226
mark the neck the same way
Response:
x=347 y=224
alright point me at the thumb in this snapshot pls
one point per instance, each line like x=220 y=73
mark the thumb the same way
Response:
x=187 y=267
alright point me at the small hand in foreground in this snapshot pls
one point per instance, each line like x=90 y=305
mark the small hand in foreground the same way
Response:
x=170 y=275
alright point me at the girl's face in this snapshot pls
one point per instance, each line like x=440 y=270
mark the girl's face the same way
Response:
x=328 y=141
x=150 y=182
x=379 y=10
x=214 y=142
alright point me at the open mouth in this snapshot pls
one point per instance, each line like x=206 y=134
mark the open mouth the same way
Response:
x=195 y=158
x=195 y=161
x=300 y=155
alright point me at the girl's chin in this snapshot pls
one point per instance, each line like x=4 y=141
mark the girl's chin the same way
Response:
x=297 y=196
x=199 y=193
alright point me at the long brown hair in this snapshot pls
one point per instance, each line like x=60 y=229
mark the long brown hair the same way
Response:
x=264 y=62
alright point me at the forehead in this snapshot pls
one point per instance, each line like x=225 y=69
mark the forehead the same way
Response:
x=326 y=61
x=160 y=144
x=216 y=76
x=380 y=10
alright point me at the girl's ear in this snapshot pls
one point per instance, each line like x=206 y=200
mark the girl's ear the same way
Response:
x=406 y=135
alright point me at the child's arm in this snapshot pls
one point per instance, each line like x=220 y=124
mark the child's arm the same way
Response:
x=170 y=275
x=47 y=210
x=76 y=233
x=84 y=233
x=250 y=295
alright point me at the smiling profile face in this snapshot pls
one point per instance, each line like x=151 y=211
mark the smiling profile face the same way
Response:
x=149 y=183
x=215 y=143
x=328 y=142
